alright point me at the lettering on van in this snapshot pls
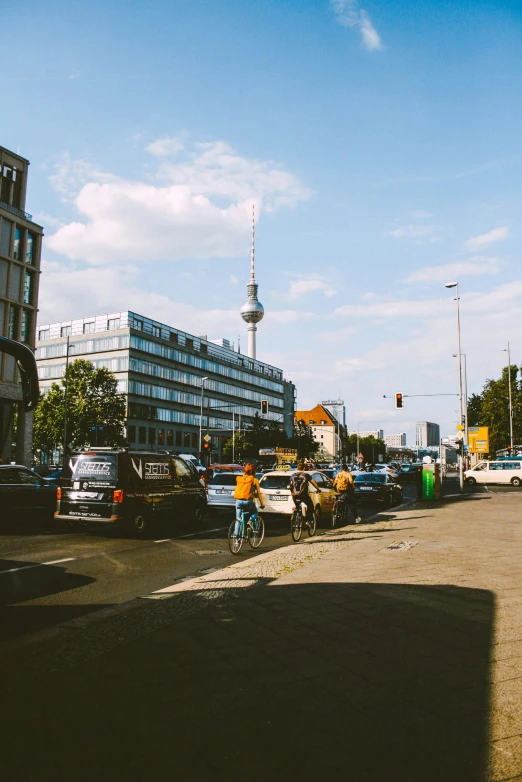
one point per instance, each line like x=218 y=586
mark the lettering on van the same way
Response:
x=83 y=467
x=153 y=470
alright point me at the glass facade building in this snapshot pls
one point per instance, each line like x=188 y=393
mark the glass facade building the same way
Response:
x=161 y=369
x=20 y=248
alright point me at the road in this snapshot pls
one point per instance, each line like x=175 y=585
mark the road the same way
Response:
x=57 y=575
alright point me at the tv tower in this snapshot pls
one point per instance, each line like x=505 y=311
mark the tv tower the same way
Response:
x=252 y=310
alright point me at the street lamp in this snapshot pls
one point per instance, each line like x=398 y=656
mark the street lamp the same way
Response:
x=201 y=414
x=459 y=354
x=465 y=392
x=511 y=441
x=66 y=384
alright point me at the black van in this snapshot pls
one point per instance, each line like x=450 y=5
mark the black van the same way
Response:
x=113 y=486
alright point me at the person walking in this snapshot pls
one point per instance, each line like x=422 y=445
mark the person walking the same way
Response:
x=345 y=485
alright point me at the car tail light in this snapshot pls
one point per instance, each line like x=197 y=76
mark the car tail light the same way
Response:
x=117 y=495
x=59 y=493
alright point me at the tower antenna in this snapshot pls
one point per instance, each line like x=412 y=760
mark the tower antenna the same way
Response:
x=252 y=274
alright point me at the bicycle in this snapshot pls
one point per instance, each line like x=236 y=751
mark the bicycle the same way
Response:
x=296 y=522
x=339 y=511
x=251 y=530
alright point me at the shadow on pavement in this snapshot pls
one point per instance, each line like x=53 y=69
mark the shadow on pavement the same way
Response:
x=318 y=681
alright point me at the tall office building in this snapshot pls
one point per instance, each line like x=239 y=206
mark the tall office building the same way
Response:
x=395 y=440
x=427 y=434
x=161 y=370
x=337 y=409
x=20 y=250
x=378 y=434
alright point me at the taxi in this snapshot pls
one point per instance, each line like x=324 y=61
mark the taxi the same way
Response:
x=277 y=497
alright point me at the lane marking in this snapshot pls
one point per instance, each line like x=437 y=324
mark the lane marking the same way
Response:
x=203 y=532
x=36 y=564
x=165 y=540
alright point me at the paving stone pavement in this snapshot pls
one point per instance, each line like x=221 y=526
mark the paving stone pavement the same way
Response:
x=387 y=651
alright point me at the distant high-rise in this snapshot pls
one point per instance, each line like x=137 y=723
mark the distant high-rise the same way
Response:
x=20 y=248
x=395 y=440
x=252 y=310
x=427 y=434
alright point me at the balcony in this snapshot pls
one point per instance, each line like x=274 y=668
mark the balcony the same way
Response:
x=14 y=210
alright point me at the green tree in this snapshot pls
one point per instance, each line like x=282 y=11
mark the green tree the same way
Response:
x=92 y=401
x=495 y=409
x=303 y=441
x=241 y=449
x=370 y=447
x=475 y=410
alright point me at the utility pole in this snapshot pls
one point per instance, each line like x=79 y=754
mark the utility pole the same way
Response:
x=511 y=440
x=66 y=385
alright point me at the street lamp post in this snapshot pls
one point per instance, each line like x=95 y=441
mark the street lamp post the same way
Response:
x=465 y=395
x=66 y=384
x=511 y=441
x=459 y=354
x=201 y=414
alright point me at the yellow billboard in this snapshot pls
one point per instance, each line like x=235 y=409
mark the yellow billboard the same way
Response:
x=478 y=439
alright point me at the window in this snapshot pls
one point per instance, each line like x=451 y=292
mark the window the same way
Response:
x=65 y=331
x=170 y=437
x=25 y=330
x=14 y=282
x=88 y=328
x=173 y=337
x=4 y=266
x=131 y=434
x=5 y=237
x=161 y=436
x=194 y=439
x=189 y=343
x=203 y=348
x=113 y=323
x=43 y=334
x=12 y=331
x=152 y=436
x=311 y=422
x=512 y=465
x=156 y=331
x=178 y=438
x=496 y=466
x=16 y=245
x=138 y=324
x=29 y=249
x=143 y=434
x=27 y=288
x=186 y=439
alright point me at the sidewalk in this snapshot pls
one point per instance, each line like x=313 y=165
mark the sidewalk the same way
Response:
x=387 y=651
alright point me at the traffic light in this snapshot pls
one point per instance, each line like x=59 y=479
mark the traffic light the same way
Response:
x=398 y=401
x=264 y=407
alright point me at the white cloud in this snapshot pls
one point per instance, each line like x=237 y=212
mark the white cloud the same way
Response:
x=496 y=235
x=163 y=147
x=349 y=14
x=453 y=271
x=201 y=209
x=233 y=279
x=303 y=287
x=413 y=231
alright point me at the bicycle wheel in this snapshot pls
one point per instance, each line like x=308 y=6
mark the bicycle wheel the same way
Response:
x=296 y=525
x=234 y=542
x=256 y=532
x=335 y=514
x=312 y=526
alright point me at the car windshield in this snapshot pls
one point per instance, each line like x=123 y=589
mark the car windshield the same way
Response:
x=370 y=477
x=275 y=482
x=224 y=479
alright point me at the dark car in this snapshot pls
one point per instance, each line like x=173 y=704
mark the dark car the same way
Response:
x=409 y=472
x=376 y=487
x=25 y=495
x=113 y=487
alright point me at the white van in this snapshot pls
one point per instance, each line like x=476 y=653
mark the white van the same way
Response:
x=508 y=471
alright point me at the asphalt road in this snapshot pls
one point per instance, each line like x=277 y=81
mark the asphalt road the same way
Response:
x=56 y=575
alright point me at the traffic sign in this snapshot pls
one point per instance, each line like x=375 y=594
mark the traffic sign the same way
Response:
x=207 y=438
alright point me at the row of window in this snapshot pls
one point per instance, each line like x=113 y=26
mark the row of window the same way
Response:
x=16 y=242
x=148 y=435
x=18 y=322
x=10 y=282
x=88 y=328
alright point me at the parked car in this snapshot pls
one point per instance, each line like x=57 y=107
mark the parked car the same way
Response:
x=189 y=457
x=25 y=495
x=214 y=468
x=220 y=489
x=111 y=487
x=377 y=487
x=409 y=472
x=499 y=471
x=277 y=497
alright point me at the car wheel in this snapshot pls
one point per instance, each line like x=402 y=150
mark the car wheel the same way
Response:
x=471 y=481
x=515 y=481
x=141 y=524
x=200 y=511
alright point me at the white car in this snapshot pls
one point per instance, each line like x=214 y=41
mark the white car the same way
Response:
x=189 y=457
x=220 y=490
x=505 y=471
x=277 y=497
x=389 y=469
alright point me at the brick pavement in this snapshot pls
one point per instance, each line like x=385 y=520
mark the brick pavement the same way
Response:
x=388 y=651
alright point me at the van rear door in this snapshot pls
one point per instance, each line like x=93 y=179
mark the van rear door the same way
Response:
x=88 y=482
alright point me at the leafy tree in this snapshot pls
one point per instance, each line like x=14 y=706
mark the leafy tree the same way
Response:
x=370 y=447
x=239 y=446
x=475 y=410
x=491 y=409
x=92 y=401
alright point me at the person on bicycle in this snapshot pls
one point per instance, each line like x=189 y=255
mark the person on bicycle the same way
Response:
x=346 y=487
x=247 y=488
x=299 y=487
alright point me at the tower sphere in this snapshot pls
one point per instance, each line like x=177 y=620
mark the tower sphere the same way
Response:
x=252 y=311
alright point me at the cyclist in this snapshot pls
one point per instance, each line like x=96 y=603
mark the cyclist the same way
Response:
x=345 y=486
x=247 y=487
x=299 y=487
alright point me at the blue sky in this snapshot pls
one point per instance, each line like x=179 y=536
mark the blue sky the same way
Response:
x=380 y=142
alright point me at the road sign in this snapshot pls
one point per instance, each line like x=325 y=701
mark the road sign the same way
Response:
x=207 y=438
x=478 y=439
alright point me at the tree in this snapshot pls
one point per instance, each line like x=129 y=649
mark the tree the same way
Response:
x=240 y=447
x=370 y=447
x=491 y=409
x=303 y=440
x=92 y=401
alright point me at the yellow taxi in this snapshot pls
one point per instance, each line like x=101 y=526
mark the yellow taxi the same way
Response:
x=277 y=496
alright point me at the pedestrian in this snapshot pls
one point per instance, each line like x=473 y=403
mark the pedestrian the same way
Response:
x=345 y=485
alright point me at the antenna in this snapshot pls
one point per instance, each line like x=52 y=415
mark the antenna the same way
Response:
x=239 y=343
x=252 y=275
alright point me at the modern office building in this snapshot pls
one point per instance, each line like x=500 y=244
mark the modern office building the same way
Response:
x=337 y=409
x=427 y=434
x=378 y=434
x=326 y=430
x=166 y=374
x=395 y=440
x=20 y=250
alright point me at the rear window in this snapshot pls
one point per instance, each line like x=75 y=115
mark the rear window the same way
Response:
x=224 y=479
x=275 y=482
x=370 y=478
x=92 y=470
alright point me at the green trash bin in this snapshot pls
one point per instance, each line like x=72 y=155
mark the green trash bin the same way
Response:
x=428 y=482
